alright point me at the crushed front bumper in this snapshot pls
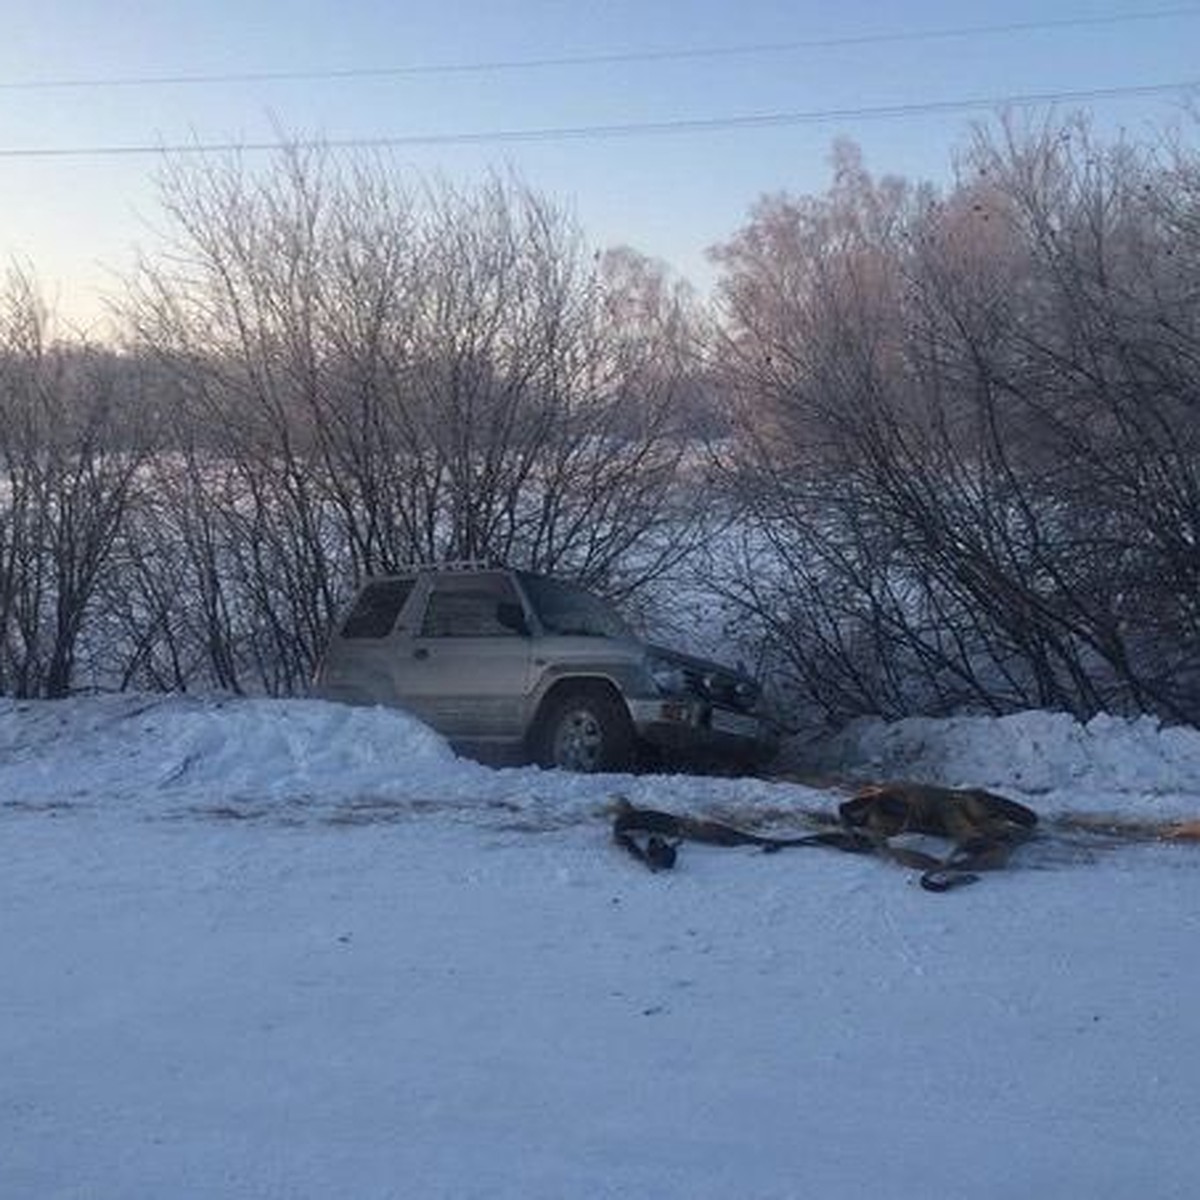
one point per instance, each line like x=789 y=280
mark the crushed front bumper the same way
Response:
x=693 y=726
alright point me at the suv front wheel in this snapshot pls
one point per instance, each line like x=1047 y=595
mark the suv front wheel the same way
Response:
x=584 y=727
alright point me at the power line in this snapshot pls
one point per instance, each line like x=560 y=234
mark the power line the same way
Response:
x=601 y=59
x=683 y=125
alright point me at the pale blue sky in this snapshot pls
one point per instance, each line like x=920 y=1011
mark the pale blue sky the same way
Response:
x=669 y=195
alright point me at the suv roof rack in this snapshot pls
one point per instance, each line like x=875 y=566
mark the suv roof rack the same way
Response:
x=449 y=564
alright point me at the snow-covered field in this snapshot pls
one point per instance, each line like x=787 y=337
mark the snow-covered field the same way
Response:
x=291 y=950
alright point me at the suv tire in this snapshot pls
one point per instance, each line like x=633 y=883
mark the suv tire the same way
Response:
x=584 y=727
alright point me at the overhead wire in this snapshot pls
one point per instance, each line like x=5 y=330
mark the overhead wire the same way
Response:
x=602 y=59
x=682 y=125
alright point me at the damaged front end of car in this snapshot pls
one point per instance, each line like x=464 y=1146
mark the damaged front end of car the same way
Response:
x=704 y=709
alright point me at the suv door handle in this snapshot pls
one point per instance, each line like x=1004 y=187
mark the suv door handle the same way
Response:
x=420 y=652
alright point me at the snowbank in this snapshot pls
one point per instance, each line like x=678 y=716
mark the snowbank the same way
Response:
x=317 y=759
x=221 y=750
x=300 y=760
x=1109 y=763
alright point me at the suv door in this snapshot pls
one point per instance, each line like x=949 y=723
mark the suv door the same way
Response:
x=469 y=659
x=358 y=665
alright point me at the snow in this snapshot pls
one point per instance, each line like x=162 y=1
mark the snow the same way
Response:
x=1134 y=767
x=256 y=948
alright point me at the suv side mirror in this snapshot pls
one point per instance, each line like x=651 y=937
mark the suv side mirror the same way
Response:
x=511 y=616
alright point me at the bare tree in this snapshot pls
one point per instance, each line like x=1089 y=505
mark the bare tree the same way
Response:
x=970 y=431
x=70 y=453
x=365 y=374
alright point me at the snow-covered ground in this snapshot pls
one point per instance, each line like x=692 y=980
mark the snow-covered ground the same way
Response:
x=288 y=949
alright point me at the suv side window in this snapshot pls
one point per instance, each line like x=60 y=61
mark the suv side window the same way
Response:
x=482 y=607
x=376 y=609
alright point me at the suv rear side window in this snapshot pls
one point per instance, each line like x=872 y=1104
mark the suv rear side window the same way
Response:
x=471 y=608
x=376 y=609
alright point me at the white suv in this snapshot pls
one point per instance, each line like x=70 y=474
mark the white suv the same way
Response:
x=502 y=659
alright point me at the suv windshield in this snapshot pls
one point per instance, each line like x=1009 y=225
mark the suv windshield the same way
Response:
x=571 y=611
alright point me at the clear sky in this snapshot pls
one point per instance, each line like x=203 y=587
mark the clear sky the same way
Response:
x=89 y=74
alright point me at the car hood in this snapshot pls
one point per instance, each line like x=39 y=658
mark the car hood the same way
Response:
x=712 y=680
